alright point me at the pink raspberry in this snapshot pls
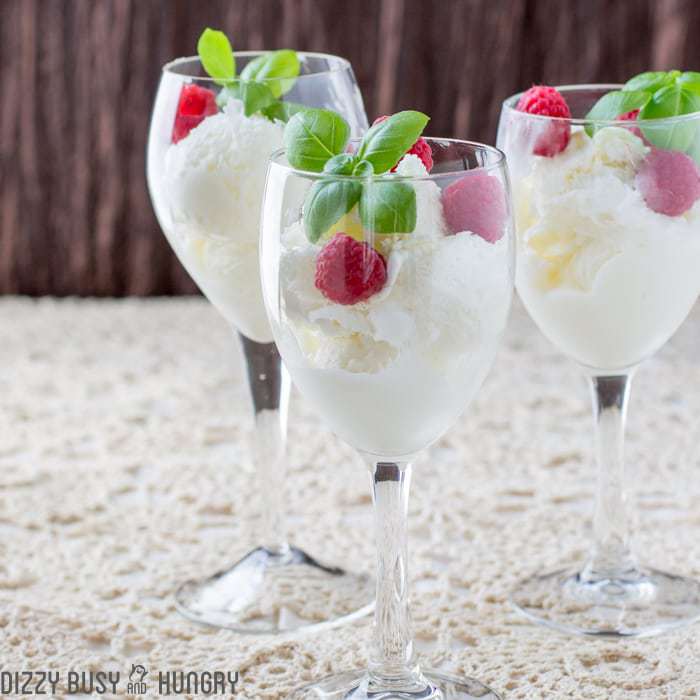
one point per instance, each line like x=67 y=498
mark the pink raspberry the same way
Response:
x=548 y=102
x=669 y=181
x=194 y=105
x=420 y=148
x=348 y=271
x=476 y=203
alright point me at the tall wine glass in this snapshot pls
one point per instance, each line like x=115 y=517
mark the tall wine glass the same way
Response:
x=608 y=227
x=393 y=371
x=206 y=179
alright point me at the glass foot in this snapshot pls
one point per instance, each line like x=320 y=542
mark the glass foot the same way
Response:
x=270 y=592
x=640 y=604
x=355 y=685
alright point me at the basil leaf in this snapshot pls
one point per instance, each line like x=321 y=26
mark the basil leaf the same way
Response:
x=363 y=168
x=690 y=80
x=671 y=101
x=282 y=111
x=277 y=68
x=326 y=202
x=342 y=164
x=649 y=82
x=312 y=136
x=255 y=96
x=613 y=104
x=216 y=55
x=388 y=207
x=385 y=143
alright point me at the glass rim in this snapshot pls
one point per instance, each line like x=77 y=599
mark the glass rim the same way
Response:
x=510 y=102
x=497 y=153
x=342 y=65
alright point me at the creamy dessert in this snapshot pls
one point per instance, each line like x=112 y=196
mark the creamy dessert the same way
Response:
x=207 y=176
x=392 y=334
x=213 y=182
x=608 y=234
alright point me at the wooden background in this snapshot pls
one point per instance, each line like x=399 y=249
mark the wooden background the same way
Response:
x=77 y=80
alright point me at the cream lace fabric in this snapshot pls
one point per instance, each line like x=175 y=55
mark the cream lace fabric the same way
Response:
x=124 y=471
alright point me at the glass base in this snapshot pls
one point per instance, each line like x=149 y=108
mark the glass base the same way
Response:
x=356 y=685
x=269 y=592
x=640 y=604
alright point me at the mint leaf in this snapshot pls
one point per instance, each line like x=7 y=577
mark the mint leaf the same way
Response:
x=216 y=55
x=282 y=111
x=615 y=103
x=388 y=207
x=277 y=68
x=671 y=101
x=650 y=81
x=385 y=143
x=312 y=136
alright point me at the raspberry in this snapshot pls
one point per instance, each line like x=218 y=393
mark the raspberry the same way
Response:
x=194 y=105
x=547 y=102
x=628 y=116
x=348 y=271
x=631 y=116
x=476 y=203
x=420 y=148
x=669 y=182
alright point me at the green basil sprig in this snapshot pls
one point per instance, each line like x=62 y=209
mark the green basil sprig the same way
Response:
x=657 y=95
x=261 y=82
x=316 y=140
x=313 y=136
x=330 y=199
x=388 y=207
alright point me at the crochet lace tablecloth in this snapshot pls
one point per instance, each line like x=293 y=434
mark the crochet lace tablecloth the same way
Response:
x=124 y=471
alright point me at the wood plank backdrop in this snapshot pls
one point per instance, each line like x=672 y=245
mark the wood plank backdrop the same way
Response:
x=78 y=77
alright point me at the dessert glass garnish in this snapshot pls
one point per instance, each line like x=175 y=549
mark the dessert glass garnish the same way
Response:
x=606 y=187
x=216 y=120
x=387 y=288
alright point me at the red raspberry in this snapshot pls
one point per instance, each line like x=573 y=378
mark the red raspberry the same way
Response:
x=420 y=148
x=547 y=102
x=348 y=271
x=476 y=203
x=194 y=105
x=631 y=116
x=628 y=116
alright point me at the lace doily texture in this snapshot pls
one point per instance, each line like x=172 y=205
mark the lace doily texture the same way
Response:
x=124 y=471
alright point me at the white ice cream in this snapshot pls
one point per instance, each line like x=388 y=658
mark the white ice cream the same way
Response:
x=208 y=193
x=607 y=279
x=392 y=373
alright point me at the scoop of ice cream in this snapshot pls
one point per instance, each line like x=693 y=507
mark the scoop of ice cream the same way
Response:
x=212 y=188
x=669 y=181
x=579 y=204
x=476 y=203
x=215 y=177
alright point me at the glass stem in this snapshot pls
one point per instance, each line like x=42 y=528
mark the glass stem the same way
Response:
x=391 y=659
x=611 y=556
x=269 y=386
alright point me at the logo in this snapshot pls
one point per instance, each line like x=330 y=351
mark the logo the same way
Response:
x=136 y=685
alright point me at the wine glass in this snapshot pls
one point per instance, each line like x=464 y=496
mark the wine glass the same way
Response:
x=608 y=230
x=206 y=185
x=392 y=371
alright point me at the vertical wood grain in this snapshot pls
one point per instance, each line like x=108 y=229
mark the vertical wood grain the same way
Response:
x=78 y=77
